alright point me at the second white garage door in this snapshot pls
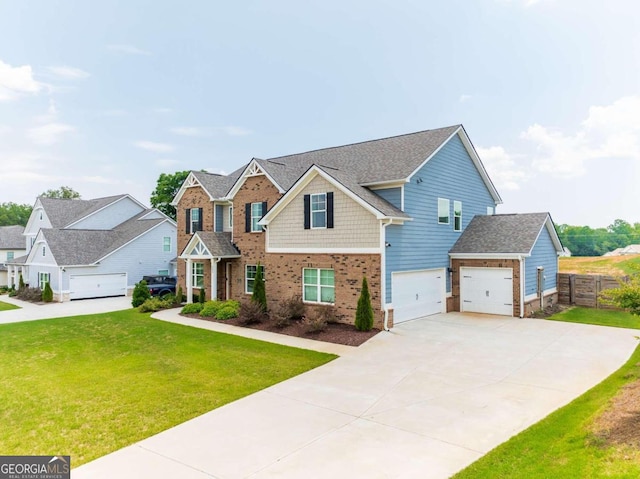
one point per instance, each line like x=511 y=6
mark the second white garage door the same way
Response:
x=83 y=286
x=417 y=293
x=486 y=290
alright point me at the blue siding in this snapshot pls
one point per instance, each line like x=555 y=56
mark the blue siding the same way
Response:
x=219 y=218
x=544 y=254
x=423 y=243
x=392 y=195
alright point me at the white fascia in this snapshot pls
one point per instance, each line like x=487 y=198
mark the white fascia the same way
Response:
x=488 y=255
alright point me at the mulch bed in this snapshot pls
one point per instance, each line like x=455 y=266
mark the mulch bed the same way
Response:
x=337 y=333
x=620 y=423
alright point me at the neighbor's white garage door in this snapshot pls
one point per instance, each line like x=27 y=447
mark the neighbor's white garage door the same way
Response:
x=97 y=285
x=486 y=290
x=417 y=293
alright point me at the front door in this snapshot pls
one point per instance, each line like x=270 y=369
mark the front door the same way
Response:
x=227 y=281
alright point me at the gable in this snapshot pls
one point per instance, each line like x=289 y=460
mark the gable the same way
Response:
x=110 y=215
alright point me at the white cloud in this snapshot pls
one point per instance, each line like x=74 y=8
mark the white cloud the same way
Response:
x=463 y=98
x=217 y=171
x=69 y=73
x=49 y=133
x=501 y=167
x=127 y=49
x=609 y=132
x=166 y=163
x=16 y=81
x=154 y=146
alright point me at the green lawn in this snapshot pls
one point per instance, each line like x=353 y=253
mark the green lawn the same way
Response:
x=600 y=317
x=88 y=385
x=564 y=444
x=7 y=306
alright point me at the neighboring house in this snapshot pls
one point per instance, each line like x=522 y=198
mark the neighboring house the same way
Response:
x=627 y=250
x=11 y=246
x=506 y=264
x=318 y=222
x=95 y=248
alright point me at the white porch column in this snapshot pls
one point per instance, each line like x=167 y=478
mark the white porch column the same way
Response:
x=10 y=280
x=189 y=281
x=214 y=278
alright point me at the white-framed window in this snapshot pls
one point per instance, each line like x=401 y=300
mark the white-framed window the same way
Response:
x=197 y=275
x=319 y=210
x=166 y=244
x=163 y=272
x=250 y=272
x=10 y=255
x=318 y=285
x=256 y=215
x=230 y=216
x=195 y=219
x=443 y=211
x=43 y=278
x=457 y=216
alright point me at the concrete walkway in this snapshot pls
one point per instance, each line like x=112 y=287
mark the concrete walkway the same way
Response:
x=31 y=311
x=422 y=401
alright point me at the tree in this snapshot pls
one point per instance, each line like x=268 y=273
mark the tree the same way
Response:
x=167 y=187
x=14 y=214
x=64 y=192
x=364 y=310
x=21 y=283
x=259 y=295
x=140 y=294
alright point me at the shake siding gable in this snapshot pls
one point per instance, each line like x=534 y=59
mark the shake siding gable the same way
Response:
x=544 y=254
x=353 y=226
x=392 y=195
x=423 y=243
x=110 y=217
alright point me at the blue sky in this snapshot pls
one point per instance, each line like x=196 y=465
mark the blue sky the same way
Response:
x=105 y=96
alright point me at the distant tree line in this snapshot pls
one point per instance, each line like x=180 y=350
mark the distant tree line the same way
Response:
x=587 y=241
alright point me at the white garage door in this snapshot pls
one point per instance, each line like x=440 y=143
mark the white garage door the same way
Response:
x=97 y=285
x=486 y=290
x=417 y=293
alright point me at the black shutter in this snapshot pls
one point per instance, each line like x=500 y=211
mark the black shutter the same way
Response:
x=330 y=209
x=200 y=220
x=264 y=209
x=307 y=212
x=188 y=221
x=247 y=217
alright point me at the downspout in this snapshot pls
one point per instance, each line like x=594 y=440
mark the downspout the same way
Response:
x=60 y=270
x=522 y=273
x=383 y=272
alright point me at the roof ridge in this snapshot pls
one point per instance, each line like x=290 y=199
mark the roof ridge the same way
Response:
x=362 y=142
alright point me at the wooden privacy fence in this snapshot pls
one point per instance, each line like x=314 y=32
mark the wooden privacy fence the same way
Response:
x=583 y=289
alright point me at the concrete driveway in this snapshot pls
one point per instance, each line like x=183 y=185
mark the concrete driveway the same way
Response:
x=31 y=311
x=422 y=401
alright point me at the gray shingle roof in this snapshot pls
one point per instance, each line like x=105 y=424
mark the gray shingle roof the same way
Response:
x=218 y=244
x=495 y=234
x=11 y=237
x=216 y=185
x=63 y=212
x=79 y=247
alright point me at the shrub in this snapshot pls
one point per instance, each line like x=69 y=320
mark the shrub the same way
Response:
x=29 y=294
x=201 y=296
x=179 y=296
x=154 y=304
x=280 y=315
x=21 y=282
x=140 y=294
x=364 y=310
x=227 y=311
x=13 y=293
x=210 y=308
x=625 y=296
x=259 y=294
x=251 y=312
x=315 y=323
x=47 y=294
x=191 y=308
x=171 y=300
x=294 y=307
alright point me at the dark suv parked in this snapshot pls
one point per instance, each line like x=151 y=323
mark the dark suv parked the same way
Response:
x=160 y=285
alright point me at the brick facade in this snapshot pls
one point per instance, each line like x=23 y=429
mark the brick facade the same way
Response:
x=456 y=264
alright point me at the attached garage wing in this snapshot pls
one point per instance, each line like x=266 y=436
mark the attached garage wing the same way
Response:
x=417 y=293
x=486 y=290
x=82 y=286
